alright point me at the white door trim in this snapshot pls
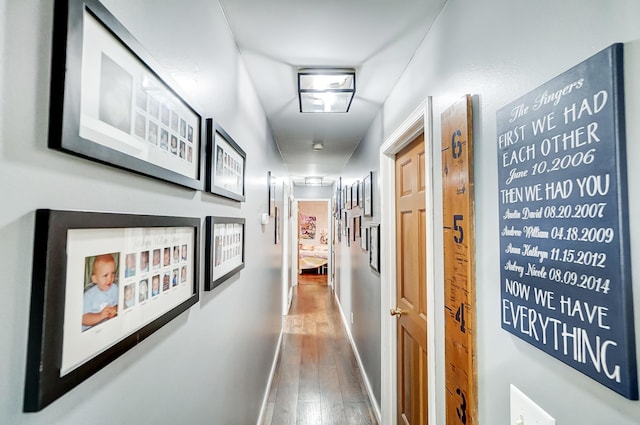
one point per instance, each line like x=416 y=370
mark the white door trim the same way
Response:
x=418 y=121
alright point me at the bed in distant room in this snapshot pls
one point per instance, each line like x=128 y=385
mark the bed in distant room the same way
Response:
x=312 y=256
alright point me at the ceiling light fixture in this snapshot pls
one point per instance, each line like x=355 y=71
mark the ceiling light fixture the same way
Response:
x=313 y=181
x=317 y=146
x=326 y=90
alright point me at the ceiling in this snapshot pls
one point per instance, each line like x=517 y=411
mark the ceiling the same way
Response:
x=275 y=38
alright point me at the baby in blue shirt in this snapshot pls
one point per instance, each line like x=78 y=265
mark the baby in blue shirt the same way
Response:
x=101 y=300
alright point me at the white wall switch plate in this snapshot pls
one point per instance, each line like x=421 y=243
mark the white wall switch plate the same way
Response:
x=525 y=412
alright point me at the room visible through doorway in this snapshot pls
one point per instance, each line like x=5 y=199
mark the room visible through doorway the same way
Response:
x=313 y=242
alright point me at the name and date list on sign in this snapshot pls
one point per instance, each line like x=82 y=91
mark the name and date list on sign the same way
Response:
x=564 y=247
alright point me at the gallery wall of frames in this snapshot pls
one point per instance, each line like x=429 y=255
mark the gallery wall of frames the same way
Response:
x=351 y=203
x=103 y=282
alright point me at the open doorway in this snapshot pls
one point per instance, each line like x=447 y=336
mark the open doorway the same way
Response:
x=313 y=242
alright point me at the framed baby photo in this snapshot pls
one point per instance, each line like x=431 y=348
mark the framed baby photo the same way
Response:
x=112 y=103
x=102 y=283
x=226 y=164
x=224 y=249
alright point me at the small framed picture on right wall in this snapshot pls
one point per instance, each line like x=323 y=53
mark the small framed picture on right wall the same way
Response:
x=374 y=247
x=368 y=194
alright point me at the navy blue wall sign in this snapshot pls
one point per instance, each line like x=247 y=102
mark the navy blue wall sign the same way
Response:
x=564 y=246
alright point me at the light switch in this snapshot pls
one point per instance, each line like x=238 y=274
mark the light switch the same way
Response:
x=525 y=412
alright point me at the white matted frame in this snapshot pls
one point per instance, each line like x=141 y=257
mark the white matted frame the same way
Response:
x=226 y=164
x=90 y=304
x=112 y=103
x=419 y=121
x=224 y=249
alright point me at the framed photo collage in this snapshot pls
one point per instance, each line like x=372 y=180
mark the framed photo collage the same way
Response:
x=106 y=281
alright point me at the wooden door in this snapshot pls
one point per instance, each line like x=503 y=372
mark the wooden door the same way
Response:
x=411 y=294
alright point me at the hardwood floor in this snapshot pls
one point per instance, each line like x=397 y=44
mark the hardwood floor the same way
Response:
x=317 y=380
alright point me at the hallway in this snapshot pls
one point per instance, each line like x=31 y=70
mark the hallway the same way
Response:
x=317 y=380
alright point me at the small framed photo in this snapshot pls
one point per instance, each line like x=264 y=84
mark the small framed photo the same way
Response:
x=356 y=227
x=368 y=194
x=101 y=283
x=224 y=249
x=276 y=226
x=361 y=194
x=345 y=222
x=354 y=194
x=339 y=199
x=271 y=181
x=226 y=164
x=364 y=240
x=111 y=103
x=374 y=247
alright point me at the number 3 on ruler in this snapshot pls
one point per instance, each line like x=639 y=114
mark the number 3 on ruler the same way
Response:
x=462 y=410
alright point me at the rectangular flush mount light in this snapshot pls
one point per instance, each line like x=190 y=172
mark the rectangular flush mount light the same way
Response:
x=326 y=90
x=313 y=181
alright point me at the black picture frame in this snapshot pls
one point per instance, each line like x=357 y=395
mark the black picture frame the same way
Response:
x=361 y=194
x=63 y=348
x=111 y=103
x=374 y=247
x=364 y=239
x=226 y=164
x=276 y=225
x=356 y=227
x=345 y=222
x=224 y=249
x=368 y=194
x=271 y=182
x=339 y=199
x=349 y=197
x=354 y=194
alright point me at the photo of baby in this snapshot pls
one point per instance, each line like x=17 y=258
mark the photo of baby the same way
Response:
x=174 y=277
x=155 y=285
x=167 y=256
x=156 y=259
x=183 y=274
x=183 y=256
x=176 y=254
x=130 y=265
x=100 y=300
x=129 y=299
x=144 y=261
x=164 y=139
x=166 y=283
x=143 y=290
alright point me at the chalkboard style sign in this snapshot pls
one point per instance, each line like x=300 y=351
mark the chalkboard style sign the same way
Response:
x=564 y=246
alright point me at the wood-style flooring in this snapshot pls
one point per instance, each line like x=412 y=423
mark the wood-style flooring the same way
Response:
x=317 y=380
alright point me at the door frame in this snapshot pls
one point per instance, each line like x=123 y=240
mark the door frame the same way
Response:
x=418 y=121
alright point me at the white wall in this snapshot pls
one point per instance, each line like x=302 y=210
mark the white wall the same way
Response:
x=499 y=50
x=211 y=364
x=357 y=284
x=312 y=192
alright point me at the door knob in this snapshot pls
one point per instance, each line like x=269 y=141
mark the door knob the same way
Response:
x=397 y=311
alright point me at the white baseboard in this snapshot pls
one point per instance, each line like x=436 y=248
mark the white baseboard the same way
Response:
x=365 y=378
x=274 y=365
